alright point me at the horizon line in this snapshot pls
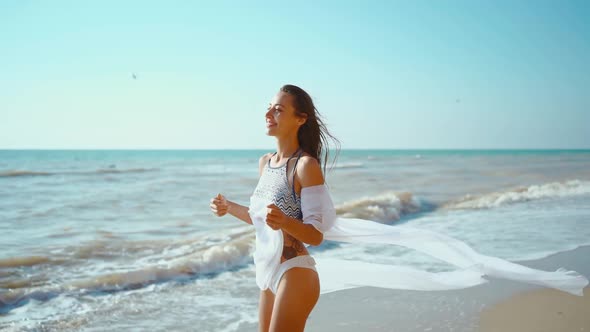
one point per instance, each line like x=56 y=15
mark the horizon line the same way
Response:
x=257 y=149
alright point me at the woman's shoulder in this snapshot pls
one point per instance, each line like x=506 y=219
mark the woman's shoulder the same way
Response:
x=309 y=170
x=306 y=160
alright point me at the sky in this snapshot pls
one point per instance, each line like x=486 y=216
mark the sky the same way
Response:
x=383 y=74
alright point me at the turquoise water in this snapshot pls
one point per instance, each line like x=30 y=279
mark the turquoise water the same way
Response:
x=119 y=239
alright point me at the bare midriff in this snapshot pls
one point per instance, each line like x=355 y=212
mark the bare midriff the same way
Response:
x=292 y=247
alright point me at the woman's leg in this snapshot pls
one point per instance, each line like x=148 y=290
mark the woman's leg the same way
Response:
x=297 y=294
x=267 y=300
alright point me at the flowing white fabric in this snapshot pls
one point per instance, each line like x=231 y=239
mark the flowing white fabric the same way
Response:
x=318 y=210
x=317 y=207
x=269 y=244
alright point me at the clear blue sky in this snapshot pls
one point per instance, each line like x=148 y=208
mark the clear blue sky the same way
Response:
x=390 y=74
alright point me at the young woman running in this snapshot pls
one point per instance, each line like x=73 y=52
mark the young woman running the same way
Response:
x=290 y=290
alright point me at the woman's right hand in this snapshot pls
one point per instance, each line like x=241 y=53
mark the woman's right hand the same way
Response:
x=219 y=205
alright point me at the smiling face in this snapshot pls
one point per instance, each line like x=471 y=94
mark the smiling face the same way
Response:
x=281 y=117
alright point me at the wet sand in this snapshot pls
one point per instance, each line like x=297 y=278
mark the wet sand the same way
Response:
x=544 y=310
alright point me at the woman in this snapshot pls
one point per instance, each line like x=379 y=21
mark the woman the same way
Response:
x=291 y=208
x=292 y=288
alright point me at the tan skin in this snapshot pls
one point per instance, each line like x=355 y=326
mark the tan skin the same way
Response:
x=299 y=288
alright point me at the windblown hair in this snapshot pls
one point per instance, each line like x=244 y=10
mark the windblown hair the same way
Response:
x=313 y=135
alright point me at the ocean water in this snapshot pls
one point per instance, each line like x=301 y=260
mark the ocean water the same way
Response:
x=125 y=240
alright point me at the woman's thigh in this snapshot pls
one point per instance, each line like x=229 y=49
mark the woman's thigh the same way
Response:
x=297 y=294
x=267 y=299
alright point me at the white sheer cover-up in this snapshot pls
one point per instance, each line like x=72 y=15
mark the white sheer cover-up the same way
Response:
x=335 y=274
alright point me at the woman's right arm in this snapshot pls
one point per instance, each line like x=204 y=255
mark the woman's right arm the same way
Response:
x=239 y=211
x=220 y=206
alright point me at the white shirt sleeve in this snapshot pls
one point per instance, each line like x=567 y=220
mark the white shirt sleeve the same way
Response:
x=317 y=207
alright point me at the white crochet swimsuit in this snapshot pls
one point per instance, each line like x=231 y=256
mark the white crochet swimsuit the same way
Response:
x=274 y=187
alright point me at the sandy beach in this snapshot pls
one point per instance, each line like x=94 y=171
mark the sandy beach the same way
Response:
x=545 y=310
x=496 y=306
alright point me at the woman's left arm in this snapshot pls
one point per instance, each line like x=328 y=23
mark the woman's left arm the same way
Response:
x=308 y=174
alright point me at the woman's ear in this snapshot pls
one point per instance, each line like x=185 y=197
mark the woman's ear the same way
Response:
x=302 y=119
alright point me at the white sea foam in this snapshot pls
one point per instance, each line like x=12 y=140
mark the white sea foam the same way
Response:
x=155 y=262
x=179 y=262
x=387 y=207
x=521 y=194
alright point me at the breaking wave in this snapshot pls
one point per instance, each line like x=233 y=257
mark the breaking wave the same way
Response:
x=521 y=194
x=387 y=207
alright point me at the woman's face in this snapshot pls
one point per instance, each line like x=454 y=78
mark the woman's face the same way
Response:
x=281 y=119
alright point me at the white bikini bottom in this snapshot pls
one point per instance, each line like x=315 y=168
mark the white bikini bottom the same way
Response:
x=305 y=261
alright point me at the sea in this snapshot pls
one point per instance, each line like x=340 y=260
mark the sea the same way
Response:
x=95 y=240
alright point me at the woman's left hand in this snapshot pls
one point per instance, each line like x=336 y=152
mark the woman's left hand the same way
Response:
x=275 y=218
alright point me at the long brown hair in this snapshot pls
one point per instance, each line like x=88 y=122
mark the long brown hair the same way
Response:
x=312 y=135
